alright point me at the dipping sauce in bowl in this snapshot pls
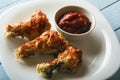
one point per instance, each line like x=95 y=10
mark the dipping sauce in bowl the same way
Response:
x=74 y=22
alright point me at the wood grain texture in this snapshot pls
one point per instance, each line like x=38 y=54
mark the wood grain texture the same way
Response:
x=5 y=4
x=3 y=75
x=112 y=14
x=100 y=4
x=118 y=34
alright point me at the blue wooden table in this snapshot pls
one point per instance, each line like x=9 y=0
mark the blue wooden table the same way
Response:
x=109 y=8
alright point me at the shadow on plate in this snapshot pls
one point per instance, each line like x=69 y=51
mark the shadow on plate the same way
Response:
x=13 y=43
x=37 y=59
x=91 y=48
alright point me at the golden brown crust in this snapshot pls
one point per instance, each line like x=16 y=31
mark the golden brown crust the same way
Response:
x=67 y=61
x=49 y=42
x=45 y=41
x=30 y=29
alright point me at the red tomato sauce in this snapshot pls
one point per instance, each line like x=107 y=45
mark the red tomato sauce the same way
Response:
x=74 y=22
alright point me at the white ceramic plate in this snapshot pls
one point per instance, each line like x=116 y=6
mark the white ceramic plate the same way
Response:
x=100 y=50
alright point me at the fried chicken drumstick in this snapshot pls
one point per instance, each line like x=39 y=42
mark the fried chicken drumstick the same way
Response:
x=29 y=29
x=67 y=61
x=49 y=42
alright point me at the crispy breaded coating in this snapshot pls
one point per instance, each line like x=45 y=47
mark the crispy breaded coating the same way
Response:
x=31 y=28
x=67 y=61
x=49 y=42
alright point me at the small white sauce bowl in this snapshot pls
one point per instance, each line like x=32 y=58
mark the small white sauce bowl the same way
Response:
x=64 y=10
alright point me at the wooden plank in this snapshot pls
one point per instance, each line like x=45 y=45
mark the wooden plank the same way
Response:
x=112 y=13
x=101 y=3
x=5 y=4
x=118 y=34
x=3 y=75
